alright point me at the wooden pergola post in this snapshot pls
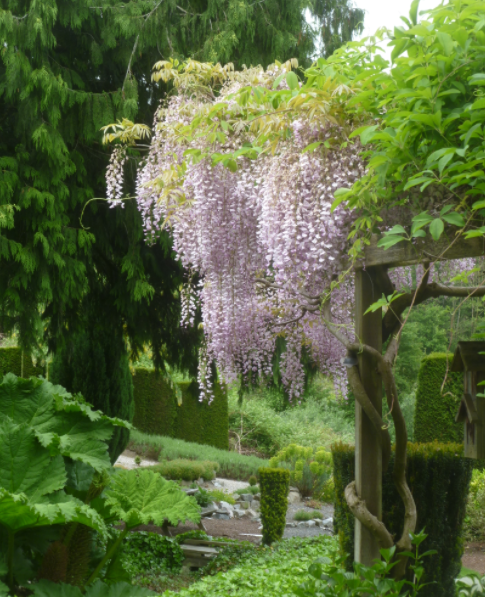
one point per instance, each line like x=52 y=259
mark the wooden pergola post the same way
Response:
x=368 y=454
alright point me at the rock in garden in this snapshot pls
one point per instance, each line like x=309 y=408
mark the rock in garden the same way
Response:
x=220 y=515
x=247 y=497
x=255 y=505
x=294 y=497
x=311 y=523
x=208 y=511
x=327 y=522
x=303 y=524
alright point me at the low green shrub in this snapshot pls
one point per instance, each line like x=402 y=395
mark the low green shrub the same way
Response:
x=202 y=497
x=264 y=571
x=231 y=464
x=218 y=495
x=254 y=489
x=253 y=480
x=275 y=484
x=148 y=552
x=303 y=515
x=439 y=477
x=309 y=468
x=181 y=469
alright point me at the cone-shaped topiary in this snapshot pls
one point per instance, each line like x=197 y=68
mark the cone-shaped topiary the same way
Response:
x=274 y=484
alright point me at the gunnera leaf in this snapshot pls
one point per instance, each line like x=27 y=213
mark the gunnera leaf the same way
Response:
x=60 y=421
x=143 y=496
x=31 y=484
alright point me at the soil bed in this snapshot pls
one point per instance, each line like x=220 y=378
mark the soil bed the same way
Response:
x=474 y=556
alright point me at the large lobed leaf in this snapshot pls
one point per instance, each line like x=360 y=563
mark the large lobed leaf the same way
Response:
x=61 y=423
x=32 y=482
x=143 y=496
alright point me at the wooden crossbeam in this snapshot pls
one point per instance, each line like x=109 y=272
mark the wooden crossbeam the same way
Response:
x=406 y=253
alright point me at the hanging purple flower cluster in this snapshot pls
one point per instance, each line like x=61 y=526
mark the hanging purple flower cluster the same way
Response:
x=262 y=238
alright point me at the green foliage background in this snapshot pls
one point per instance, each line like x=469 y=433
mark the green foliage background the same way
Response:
x=439 y=478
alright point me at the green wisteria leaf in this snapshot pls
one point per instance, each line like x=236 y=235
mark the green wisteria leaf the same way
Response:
x=31 y=484
x=143 y=496
x=60 y=422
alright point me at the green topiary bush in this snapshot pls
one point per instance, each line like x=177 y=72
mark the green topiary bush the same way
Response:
x=434 y=415
x=439 y=478
x=158 y=412
x=14 y=360
x=274 y=484
x=187 y=470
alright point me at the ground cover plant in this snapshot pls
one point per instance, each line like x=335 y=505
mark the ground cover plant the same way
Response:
x=231 y=464
x=305 y=515
x=265 y=571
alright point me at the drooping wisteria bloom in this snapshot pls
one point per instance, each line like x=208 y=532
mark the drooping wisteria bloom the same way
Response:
x=262 y=239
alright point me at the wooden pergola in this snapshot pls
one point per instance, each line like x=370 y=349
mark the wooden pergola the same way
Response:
x=371 y=329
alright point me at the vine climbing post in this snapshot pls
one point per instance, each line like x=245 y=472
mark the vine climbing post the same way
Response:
x=368 y=453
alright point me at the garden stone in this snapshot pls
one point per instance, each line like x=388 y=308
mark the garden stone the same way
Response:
x=190 y=491
x=239 y=513
x=221 y=515
x=226 y=506
x=327 y=522
x=303 y=524
x=255 y=505
x=290 y=525
x=311 y=523
x=251 y=513
x=208 y=511
x=245 y=505
x=218 y=485
x=294 y=497
x=247 y=497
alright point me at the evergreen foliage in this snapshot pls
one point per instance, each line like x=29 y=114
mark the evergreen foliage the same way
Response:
x=94 y=363
x=158 y=411
x=274 y=484
x=439 y=478
x=435 y=411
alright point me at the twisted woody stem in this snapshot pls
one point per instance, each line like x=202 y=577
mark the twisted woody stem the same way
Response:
x=357 y=506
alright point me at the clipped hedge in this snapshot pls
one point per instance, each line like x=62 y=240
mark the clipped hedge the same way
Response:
x=274 y=484
x=11 y=362
x=157 y=410
x=181 y=469
x=439 y=478
x=434 y=416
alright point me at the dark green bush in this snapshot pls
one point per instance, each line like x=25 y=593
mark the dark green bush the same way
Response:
x=439 y=478
x=274 y=484
x=158 y=412
x=435 y=412
x=187 y=470
x=14 y=360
